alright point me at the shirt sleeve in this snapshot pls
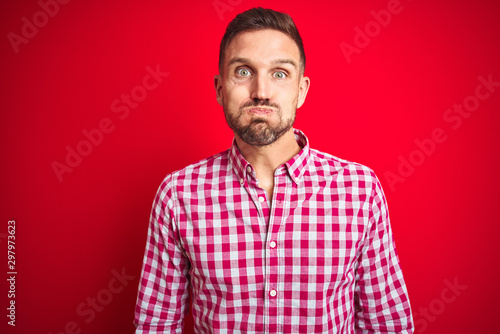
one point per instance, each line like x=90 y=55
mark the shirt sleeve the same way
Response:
x=381 y=299
x=163 y=296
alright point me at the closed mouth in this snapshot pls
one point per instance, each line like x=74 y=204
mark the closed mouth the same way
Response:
x=260 y=110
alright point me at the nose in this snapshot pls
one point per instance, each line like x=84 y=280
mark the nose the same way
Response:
x=260 y=88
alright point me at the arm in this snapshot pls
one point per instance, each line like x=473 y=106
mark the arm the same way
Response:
x=382 y=304
x=163 y=295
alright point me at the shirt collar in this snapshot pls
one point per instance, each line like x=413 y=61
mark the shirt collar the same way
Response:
x=295 y=166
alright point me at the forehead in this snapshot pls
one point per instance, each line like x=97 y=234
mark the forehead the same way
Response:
x=262 y=46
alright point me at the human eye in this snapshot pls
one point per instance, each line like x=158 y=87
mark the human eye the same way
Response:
x=243 y=72
x=279 y=75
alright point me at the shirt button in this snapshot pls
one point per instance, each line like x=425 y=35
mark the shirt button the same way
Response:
x=261 y=199
x=242 y=181
x=272 y=244
x=249 y=169
x=273 y=293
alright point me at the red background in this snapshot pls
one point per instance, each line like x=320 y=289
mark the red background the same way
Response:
x=72 y=235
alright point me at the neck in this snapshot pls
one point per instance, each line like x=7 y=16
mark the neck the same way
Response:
x=265 y=159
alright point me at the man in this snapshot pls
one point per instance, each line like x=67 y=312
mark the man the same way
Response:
x=270 y=236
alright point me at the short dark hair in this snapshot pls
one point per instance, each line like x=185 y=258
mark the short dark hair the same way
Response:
x=258 y=19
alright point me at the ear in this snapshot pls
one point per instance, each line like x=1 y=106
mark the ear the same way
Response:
x=218 y=89
x=303 y=89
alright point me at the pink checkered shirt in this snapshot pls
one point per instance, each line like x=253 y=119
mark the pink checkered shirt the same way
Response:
x=320 y=259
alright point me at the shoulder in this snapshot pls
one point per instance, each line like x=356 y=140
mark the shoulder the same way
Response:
x=348 y=173
x=331 y=164
x=204 y=169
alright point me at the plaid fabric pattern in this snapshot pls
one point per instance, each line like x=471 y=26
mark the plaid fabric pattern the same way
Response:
x=320 y=259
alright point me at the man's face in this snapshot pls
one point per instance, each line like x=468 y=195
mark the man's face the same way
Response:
x=261 y=85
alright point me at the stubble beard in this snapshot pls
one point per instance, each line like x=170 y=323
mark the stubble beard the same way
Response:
x=259 y=132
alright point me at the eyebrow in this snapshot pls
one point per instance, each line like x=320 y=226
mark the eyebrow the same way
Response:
x=277 y=61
